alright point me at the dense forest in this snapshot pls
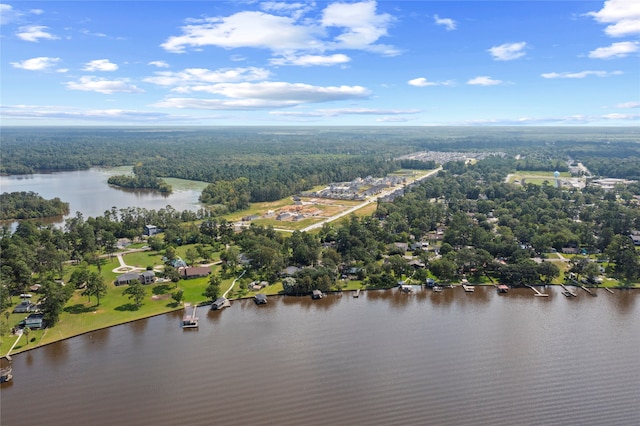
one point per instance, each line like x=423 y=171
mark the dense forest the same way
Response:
x=29 y=205
x=282 y=161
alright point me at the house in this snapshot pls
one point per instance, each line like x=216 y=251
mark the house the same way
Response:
x=290 y=271
x=146 y=277
x=636 y=239
x=195 y=272
x=571 y=250
x=33 y=321
x=260 y=299
x=24 y=307
x=220 y=303
x=151 y=230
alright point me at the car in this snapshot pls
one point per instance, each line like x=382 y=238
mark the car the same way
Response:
x=26 y=296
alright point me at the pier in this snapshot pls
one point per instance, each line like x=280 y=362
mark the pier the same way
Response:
x=567 y=292
x=190 y=321
x=609 y=290
x=468 y=288
x=588 y=291
x=537 y=292
x=357 y=293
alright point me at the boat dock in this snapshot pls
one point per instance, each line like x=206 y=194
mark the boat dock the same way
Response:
x=468 y=288
x=588 y=291
x=190 y=321
x=567 y=292
x=538 y=293
x=6 y=369
x=609 y=290
x=357 y=293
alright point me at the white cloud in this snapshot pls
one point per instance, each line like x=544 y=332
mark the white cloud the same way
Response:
x=508 y=51
x=36 y=64
x=100 y=65
x=577 y=119
x=448 y=23
x=623 y=17
x=333 y=112
x=198 y=76
x=100 y=85
x=8 y=14
x=34 y=33
x=581 y=74
x=616 y=50
x=423 y=82
x=265 y=95
x=311 y=60
x=631 y=104
x=360 y=27
x=244 y=29
x=484 y=80
x=45 y=112
x=159 y=64
x=296 y=10
x=619 y=116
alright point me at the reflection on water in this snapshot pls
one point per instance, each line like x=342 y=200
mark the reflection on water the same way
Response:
x=384 y=358
x=87 y=191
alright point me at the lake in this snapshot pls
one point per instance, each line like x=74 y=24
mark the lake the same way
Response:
x=87 y=191
x=452 y=358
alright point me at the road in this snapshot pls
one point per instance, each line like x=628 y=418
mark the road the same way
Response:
x=365 y=203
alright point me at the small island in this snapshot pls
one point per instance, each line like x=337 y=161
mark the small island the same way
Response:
x=141 y=179
x=30 y=205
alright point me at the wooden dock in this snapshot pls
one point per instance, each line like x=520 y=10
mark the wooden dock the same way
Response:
x=567 y=292
x=537 y=292
x=609 y=290
x=468 y=288
x=190 y=321
x=588 y=291
x=357 y=293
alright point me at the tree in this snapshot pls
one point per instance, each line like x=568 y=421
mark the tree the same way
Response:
x=95 y=287
x=136 y=292
x=623 y=253
x=548 y=271
x=171 y=274
x=177 y=296
x=443 y=269
x=54 y=298
x=191 y=255
x=212 y=291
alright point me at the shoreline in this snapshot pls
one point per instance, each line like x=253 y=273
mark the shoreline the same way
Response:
x=208 y=303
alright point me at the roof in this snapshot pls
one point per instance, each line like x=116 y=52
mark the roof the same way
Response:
x=128 y=276
x=197 y=271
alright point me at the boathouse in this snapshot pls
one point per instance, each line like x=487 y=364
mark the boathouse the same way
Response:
x=317 y=294
x=260 y=299
x=220 y=303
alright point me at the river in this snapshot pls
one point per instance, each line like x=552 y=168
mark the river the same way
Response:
x=386 y=358
x=87 y=192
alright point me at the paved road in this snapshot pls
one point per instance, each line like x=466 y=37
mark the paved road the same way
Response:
x=365 y=203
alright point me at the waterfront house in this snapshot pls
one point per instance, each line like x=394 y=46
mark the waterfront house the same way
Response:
x=220 y=303
x=34 y=321
x=146 y=277
x=195 y=272
x=24 y=307
x=260 y=299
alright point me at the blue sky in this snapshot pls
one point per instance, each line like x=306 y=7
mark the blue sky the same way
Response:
x=413 y=63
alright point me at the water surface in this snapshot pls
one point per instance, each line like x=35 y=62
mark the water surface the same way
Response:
x=384 y=358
